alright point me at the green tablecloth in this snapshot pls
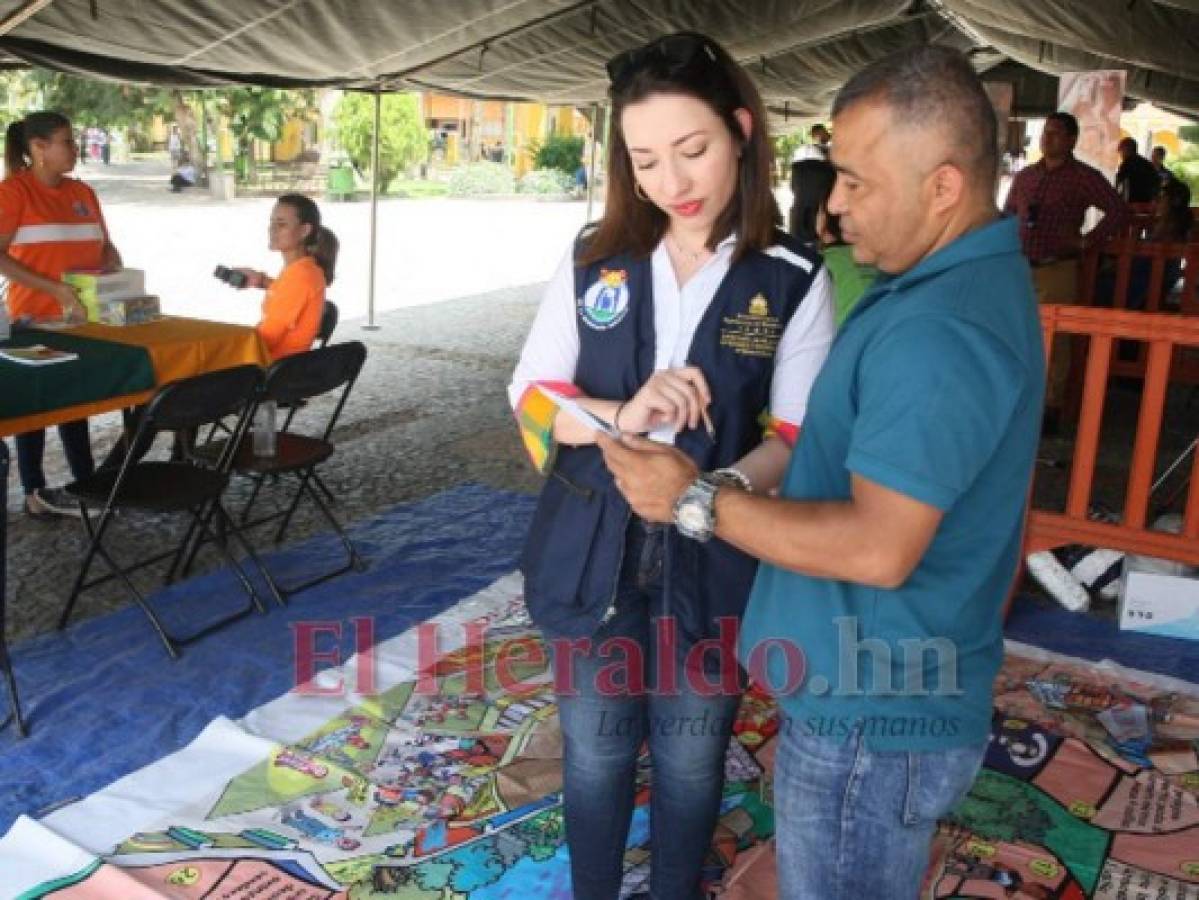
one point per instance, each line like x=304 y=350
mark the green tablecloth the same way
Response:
x=103 y=369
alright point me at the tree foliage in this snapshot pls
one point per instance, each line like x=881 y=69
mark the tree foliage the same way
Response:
x=561 y=152
x=402 y=138
x=259 y=114
x=85 y=101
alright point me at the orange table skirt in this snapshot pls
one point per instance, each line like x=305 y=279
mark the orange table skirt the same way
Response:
x=178 y=348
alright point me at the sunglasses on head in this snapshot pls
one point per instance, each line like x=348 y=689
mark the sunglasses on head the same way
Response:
x=678 y=51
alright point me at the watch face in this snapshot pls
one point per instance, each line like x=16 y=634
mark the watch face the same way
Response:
x=692 y=517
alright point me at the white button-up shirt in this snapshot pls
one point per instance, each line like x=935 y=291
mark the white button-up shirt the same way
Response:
x=551 y=351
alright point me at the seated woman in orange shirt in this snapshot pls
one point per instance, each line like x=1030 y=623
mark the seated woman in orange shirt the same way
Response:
x=295 y=300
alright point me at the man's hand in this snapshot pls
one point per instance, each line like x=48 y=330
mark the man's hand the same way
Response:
x=651 y=476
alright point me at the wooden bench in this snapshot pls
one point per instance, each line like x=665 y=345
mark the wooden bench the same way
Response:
x=272 y=179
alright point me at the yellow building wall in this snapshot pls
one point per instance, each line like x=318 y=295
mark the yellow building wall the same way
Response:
x=290 y=143
x=159 y=130
x=530 y=126
x=528 y=129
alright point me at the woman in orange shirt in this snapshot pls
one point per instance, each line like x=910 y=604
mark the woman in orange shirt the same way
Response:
x=295 y=300
x=49 y=223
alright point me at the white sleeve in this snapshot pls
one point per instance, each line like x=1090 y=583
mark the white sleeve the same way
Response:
x=551 y=351
x=802 y=351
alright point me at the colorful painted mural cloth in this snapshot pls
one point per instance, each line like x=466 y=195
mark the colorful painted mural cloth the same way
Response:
x=430 y=768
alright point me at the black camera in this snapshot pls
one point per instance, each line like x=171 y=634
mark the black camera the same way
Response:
x=231 y=277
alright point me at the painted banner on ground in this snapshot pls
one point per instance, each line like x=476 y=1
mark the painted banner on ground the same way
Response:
x=443 y=781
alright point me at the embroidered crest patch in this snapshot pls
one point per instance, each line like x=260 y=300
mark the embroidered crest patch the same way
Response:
x=606 y=302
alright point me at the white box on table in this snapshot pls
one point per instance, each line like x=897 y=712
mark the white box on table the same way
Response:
x=1166 y=605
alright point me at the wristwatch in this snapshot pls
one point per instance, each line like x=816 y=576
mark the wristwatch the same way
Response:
x=733 y=478
x=695 y=510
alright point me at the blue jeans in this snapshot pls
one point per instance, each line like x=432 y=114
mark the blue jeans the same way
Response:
x=31 y=447
x=853 y=823
x=606 y=720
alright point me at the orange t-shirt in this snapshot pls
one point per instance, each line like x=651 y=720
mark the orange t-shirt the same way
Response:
x=53 y=229
x=291 y=311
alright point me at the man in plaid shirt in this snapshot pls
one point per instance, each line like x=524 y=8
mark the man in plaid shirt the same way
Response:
x=1051 y=198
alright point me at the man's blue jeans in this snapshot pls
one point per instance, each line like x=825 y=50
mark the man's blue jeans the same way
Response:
x=605 y=726
x=852 y=823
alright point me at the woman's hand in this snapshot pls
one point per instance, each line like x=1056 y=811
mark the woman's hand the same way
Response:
x=254 y=278
x=672 y=397
x=72 y=309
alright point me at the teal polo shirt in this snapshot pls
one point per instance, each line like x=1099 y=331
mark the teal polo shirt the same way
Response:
x=933 y=388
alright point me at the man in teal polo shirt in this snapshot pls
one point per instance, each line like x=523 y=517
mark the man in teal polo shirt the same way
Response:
x=876 y=616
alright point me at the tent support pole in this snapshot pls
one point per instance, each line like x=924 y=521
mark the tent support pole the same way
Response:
x=374 y=239
x=595 y=114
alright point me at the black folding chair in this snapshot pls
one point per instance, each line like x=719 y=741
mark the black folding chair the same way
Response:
x=171 y=487
x=6 y=669
x=292 y=379
x=329 y=317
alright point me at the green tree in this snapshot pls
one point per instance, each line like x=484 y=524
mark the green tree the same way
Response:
x=785 y=146
x=87 y=101
x=259 y=114
x=20 y=95
x=561 y=152
x=402 y=138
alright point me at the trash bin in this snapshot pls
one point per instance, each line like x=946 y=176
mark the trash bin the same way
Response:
x=221 y=184
x=340 y=182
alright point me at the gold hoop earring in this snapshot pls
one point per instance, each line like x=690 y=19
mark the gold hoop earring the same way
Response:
x=640 y=192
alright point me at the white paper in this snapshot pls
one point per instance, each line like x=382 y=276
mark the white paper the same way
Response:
x=579 y=413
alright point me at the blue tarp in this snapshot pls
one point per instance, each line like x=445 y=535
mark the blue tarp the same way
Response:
x=104 y=699
x=1090 y=637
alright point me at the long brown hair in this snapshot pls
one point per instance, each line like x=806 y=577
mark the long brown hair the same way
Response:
x=632 y=225
x=35 y=126
x=322 y=244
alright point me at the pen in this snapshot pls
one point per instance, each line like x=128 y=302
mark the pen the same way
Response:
x=708 y=427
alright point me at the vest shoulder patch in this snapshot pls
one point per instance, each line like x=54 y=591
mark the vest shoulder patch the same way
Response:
x=788 y=255
x=606 y=302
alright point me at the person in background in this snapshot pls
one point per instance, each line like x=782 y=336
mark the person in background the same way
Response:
x=295 y=298
x=1051 y=197
x=1172 y=221
x=1137 y=180
x=175 y=147
x=1050 y=200
x=821 y=138
x=811 y=185
x=49 y=224
x=184 y=175
x=1158 y=160
x=686 y=315
x=818 y=147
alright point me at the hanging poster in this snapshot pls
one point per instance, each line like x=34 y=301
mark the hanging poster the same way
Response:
x=1095 y=99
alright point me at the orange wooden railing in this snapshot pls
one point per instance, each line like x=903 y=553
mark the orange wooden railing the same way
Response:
x=1142 y=217
x=1166 y=335
x=1122 y=254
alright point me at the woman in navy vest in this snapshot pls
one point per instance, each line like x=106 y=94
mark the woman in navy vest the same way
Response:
x=686 y=315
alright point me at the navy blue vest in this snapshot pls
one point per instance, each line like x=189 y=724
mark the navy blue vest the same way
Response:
x=573 y=554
